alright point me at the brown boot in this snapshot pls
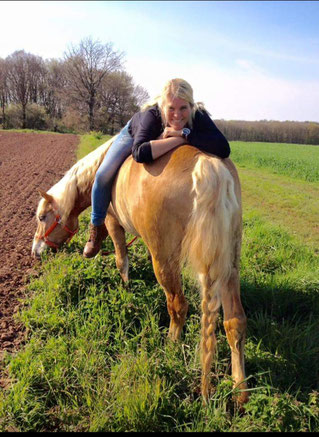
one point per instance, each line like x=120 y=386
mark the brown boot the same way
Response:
x=97 y=235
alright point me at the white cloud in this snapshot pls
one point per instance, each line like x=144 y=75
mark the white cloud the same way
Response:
x=245 y=92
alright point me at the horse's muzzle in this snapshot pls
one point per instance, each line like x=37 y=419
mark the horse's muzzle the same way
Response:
x=38 y=247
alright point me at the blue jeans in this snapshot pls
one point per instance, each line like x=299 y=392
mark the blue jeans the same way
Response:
x=102 y=187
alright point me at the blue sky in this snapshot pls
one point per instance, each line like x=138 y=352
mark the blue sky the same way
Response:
x=248 y=60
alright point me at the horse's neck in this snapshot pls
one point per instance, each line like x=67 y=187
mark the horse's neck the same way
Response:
x=82 y=198
x=79 y=181
x=81 y=202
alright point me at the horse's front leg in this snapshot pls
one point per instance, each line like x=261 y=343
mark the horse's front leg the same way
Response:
x=117 y=235
x=169 y=277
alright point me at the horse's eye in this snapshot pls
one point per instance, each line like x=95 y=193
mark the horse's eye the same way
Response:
x=42 y=218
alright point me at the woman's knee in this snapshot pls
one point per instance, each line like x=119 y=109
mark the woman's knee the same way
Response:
x=103 y=179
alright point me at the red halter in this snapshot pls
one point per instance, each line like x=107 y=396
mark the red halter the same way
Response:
x=53 y=226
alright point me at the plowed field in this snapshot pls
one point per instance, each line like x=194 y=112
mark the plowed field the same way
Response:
x=28 y=161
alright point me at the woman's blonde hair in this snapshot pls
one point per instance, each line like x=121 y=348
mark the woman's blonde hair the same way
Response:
x=176 y=88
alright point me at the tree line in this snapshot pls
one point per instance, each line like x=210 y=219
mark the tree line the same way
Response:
x=88 y=89
x=295 y=132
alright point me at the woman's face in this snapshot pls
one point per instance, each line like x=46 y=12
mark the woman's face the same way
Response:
x=178 y=112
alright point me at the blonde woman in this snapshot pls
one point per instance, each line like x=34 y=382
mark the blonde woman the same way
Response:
x=172 y=119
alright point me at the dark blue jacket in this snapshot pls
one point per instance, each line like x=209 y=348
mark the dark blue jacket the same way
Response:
x=147 y=125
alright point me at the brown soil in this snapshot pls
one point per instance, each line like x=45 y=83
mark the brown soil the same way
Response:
x=28 y=161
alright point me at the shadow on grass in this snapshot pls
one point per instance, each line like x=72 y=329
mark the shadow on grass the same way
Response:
x=284 y=323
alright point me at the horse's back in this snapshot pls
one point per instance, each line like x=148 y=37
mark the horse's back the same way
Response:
x=156 y=199
x=157 y=194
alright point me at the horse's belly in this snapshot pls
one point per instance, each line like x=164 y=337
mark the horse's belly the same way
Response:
x=120 y=209
x=125 y=222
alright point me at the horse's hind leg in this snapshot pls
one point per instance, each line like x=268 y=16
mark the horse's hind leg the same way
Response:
x=169 y=277
x=117 y=235
x=235 y=326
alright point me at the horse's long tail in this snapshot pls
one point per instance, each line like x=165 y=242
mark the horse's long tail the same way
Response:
x=208 y=245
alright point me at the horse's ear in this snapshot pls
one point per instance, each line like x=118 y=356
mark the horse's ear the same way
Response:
x=46 y=196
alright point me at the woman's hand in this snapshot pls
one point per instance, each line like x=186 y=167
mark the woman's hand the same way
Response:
x=171 y=132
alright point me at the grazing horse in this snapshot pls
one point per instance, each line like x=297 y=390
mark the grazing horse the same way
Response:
x=186 y=206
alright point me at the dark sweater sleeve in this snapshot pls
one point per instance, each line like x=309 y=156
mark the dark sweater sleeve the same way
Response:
x=143 y=152
x=146 y=127
x=207 y=137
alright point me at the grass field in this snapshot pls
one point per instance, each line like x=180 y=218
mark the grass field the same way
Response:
x=97 y=358
x=274 y=181
x=294 y=160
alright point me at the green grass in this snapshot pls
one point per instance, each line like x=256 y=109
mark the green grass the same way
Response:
x=30 y=131
x=90 y=142
x=287 y=202
x=98 y=359
x=274 y=182
x=294 y=160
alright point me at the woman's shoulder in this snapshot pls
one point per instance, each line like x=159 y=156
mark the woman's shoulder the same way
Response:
x=202 y=116
x=202 y=112
x=154 y=110
x=146 y=114
x=151 y=115
x=147 y=121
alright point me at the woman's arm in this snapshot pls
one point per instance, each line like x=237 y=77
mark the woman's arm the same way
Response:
x=161 y=146
x=147 y=151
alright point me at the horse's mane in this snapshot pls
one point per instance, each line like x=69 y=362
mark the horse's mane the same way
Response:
x=78 y=180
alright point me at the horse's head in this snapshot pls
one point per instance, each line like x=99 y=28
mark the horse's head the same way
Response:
x=51 y=231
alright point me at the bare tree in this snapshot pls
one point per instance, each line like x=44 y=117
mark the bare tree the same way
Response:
x=119 y=100
x=37 y=77
x=21 y=74
x=52 y=96
x=141 y=95
x=18 y=80
x=3 y=88
x=86 y=65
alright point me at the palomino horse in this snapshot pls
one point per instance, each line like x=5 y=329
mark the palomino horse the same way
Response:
x=186 y=206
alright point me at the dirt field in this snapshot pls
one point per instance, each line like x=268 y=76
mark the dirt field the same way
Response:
x=28 y=161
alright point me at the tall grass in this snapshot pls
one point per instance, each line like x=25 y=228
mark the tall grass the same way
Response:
x=294 y=160
x=98 y=359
